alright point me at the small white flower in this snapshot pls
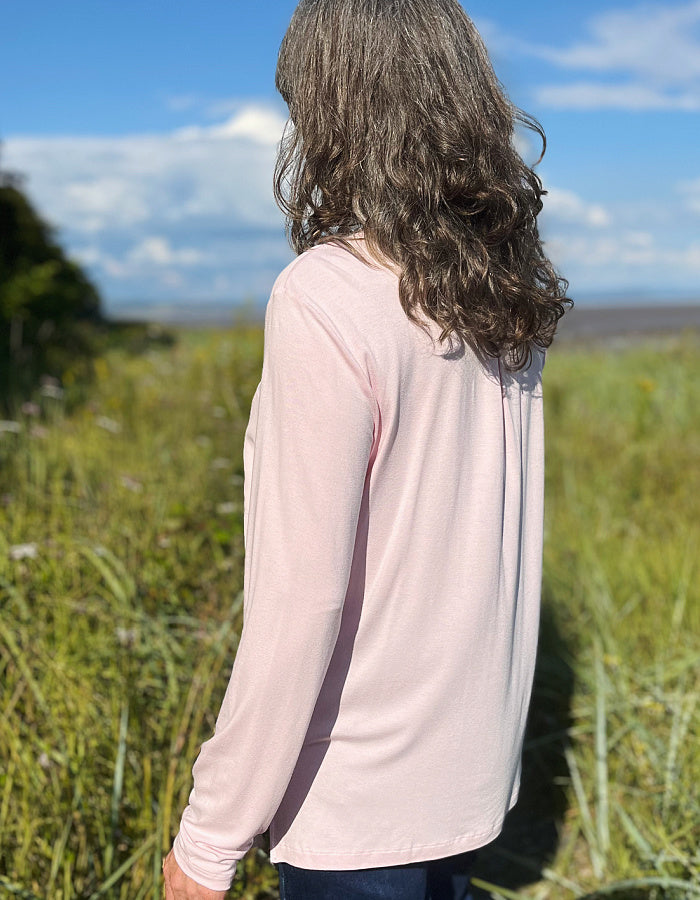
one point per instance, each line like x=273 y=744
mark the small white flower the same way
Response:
x=131 y=484
x=30 y=409
x=38 y=431
x=44 y=761
x=226 y=509
x=164 y=541
x=221 y=463
x=9 y=425
x=51 y=390
x=126 y=636
x=108 y=424
x=23 y=551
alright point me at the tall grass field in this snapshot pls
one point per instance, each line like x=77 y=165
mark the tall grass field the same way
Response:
x=121 y=575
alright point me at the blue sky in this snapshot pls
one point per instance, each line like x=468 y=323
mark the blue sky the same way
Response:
x=147 y=134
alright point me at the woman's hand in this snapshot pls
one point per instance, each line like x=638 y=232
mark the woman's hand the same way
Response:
x=179 y=886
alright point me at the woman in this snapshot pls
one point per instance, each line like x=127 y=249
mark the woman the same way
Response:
x=393 y=475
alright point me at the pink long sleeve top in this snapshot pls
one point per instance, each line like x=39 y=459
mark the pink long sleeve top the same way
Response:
x=393 y=504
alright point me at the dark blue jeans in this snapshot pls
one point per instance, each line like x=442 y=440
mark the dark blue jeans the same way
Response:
x=436 y=879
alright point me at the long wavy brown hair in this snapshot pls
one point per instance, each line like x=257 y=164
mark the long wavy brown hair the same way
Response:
x=400 y=129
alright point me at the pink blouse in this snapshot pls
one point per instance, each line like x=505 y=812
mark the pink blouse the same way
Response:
x=393 y=508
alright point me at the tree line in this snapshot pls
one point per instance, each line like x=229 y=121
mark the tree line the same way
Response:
x=47 y=302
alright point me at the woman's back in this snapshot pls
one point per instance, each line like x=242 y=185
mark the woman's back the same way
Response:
x=393 y=517
x=414 y=745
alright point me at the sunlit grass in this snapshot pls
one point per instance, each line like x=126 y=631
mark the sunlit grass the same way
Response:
x=121 y=558
x=621 y=575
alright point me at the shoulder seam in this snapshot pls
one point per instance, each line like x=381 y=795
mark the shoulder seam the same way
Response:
x=284 y=275
x=281 y=284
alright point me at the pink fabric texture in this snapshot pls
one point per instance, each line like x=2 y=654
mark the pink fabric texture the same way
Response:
x=393 y=506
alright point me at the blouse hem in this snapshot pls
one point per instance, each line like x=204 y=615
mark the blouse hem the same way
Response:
x=367 y=859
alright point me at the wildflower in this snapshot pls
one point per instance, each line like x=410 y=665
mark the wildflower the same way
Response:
x=23 y=551
x=226 y=509
x=108 y=424
x=126 y=636
x=131 y=484
x=10 y=426
x=221 y=463
x=30 y=409
x=44 y=761
x=38 y=431
x=163 y=541
x=54 y=391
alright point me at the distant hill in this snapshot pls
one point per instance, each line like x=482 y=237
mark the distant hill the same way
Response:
x=193 y=314
x=584 y=321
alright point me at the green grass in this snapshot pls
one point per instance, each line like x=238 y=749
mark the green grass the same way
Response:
x=120 y=619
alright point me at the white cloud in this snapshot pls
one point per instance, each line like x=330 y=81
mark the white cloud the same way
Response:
x=629 y=249
x=157 y=250
x=690 y=191
x=565 y=206
x=654 y=48
x=629 y=260
x=654 y=41
x=104 y=199
x=91 y=184
x=588 y=95
x=152 y=213
x=211 y=108
x=262 y=126
x=153 y=255
x=603 y=248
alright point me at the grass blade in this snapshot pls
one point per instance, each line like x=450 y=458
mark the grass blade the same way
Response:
x=586 y=818
x=118 y=785
x=123 y=869
x=635 y=834
x=636 y=884
x=16 y=890
x=601 y=755
x=497 y=893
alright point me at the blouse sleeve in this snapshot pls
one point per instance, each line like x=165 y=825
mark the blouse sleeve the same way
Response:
x=307 y=449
